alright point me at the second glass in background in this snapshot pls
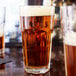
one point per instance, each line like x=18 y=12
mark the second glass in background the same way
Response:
x=2 y=23
x=69 y=36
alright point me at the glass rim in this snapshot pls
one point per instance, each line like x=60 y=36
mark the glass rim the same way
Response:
x=36 y=10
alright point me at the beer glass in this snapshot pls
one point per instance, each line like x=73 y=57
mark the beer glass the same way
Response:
x=69 y=36
x=36 y=24
x=2 y=21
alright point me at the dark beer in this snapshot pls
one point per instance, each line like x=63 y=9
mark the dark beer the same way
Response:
x=1 y=42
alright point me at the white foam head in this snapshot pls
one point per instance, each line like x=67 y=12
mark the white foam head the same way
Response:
x=37 y=10
x=1 y=30
x=70 y=38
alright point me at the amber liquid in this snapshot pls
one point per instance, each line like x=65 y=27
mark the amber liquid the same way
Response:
x=70 y=61
x=2 y=66
x=24 y=59
x=37 y=41
x=1 y=42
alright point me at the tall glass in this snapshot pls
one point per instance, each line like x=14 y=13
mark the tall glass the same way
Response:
x=2 y=21
x=69 y=35
x=37 y=22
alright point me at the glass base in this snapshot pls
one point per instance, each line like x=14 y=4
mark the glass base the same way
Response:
x=37 y=70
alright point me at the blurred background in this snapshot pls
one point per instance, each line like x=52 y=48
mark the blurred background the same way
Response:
x=13 y=39
x=12 y=26
x=12 y=30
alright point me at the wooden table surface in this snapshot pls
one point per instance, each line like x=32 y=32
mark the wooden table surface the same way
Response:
x=16 y=68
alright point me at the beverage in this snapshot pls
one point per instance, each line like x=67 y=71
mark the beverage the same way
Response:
x=1 y=43
x=36 y=42
x=37 y=48
x=2 y=23
x=70 y=54
x=22 y=38
x=36 y=37
x=37 y=45
x=2 y=66
x=23 y=47
x=69 y=36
